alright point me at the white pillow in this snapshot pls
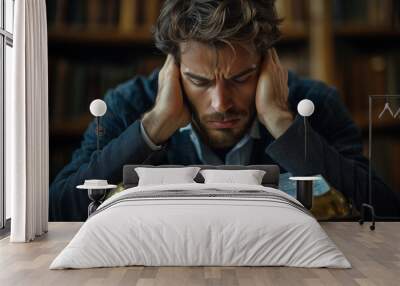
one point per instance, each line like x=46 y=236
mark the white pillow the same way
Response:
x=162 y=176
x=248 y=177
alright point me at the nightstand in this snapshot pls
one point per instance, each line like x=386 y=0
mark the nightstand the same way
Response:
x=97 y=191
x=304 y=189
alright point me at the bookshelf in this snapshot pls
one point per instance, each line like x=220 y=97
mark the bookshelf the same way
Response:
x=107 y=37
x=96 y=44
x=356 y=32
x=117 y=37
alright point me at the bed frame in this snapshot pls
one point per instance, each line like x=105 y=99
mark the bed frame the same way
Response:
x=270 y=179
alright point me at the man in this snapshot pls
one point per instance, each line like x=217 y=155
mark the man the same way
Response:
x=222 y=97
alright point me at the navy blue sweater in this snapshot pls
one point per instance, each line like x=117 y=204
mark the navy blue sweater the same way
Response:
x=335 y=149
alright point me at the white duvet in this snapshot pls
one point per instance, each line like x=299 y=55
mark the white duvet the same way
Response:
x=184 y=230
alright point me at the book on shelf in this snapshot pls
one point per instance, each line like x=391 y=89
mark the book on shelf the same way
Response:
x=60 y=8
x=128 y=12
x=93 y=14
x=75 y=14
x=152 y=11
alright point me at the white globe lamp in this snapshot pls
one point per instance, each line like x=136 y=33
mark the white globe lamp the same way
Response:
x=98 y=108
x=304 y=189
x=305 y=107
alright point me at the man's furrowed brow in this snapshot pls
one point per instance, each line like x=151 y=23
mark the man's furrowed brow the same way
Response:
x=245 y=72
x=195 y=76
x=202 y=78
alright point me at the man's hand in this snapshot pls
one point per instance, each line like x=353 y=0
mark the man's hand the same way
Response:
x=272 y=95
x=169 y=112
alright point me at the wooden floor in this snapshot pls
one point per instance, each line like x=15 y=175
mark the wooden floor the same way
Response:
x=374 y=255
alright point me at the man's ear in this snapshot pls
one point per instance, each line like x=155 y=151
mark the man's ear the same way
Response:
x=184 y=96
x=177 y=59
x=260 y=64
x=264 y=54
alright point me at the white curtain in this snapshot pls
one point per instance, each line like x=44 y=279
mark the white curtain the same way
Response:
x=27 y=152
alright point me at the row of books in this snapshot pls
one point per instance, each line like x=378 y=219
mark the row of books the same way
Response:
x=125 y=15
x=375 y=13
x=370 y=74
x=73 y=85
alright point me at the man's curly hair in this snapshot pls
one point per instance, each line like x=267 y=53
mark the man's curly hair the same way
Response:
x=217 y=22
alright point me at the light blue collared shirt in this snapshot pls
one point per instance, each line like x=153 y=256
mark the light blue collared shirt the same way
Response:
x=240 y=155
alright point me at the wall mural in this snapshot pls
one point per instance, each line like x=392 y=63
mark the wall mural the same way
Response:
x=107 y=50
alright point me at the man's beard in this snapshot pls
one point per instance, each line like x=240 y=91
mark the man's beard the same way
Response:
x=222 y=138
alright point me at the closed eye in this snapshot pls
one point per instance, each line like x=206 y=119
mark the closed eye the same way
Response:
x=241 y=79
x=244 y=76
x=199 y=82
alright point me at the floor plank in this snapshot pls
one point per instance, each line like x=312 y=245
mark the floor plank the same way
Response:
x=374 y=255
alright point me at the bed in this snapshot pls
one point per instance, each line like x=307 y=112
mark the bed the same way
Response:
x=201 y=224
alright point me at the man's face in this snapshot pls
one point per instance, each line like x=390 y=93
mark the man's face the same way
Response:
x=220 y=89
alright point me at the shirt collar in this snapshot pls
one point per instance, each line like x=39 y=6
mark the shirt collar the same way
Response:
x=254 y=131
